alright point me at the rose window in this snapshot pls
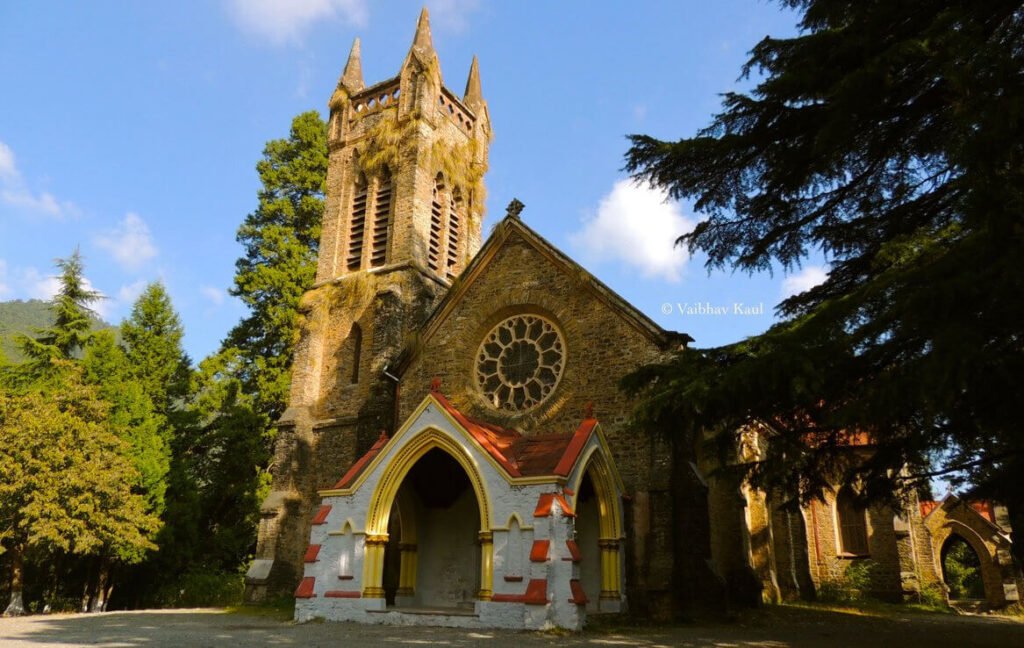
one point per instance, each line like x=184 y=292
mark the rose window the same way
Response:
x=519 y=362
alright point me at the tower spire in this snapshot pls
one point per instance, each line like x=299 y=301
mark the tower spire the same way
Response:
x=352 y=77
x=422 y=43
x=474 y=95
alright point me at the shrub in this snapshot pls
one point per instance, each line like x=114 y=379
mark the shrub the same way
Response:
x=202 y=589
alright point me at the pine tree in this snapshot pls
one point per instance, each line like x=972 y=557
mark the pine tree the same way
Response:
x=152 y=336
x=888 y=136
x=280 y=240
x=71 y=327
x=131 y=417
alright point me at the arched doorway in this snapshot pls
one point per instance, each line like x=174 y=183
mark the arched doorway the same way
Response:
x=599 y=535
x=428 y=542
x=961 y=570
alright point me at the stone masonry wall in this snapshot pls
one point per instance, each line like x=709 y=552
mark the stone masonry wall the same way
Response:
x=601 y=348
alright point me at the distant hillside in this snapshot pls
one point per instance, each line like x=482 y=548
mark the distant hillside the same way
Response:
x=26 y=317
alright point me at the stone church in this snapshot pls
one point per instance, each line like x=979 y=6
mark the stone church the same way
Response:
x=456 y=450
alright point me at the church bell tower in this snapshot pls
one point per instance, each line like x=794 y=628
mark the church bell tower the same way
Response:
x=402 y=219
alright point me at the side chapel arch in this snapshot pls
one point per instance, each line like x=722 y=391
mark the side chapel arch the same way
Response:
x=990 y=573
x=384 y=497
x=607 y=491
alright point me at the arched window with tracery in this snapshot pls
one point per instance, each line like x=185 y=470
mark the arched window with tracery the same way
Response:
x=357 y=224
x=851 y=518
x=381 y=220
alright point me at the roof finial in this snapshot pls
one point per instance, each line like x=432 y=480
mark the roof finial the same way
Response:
x=514 y=209
x=474 y=96
x=435 y=382
x=352 y=77
x=422 y=41
x=588 y=410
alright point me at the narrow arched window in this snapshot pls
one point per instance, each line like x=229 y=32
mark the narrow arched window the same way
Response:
x=454 y=232
x=346 y=553
x=357 y=225
x=851 y=517
x=381 y=220
x=357 y=350
x=514 y=551
x=435 y=253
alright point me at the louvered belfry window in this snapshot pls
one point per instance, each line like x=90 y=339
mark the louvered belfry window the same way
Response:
x=454 y=232
x=357 y=226
x=381 y=218
x=434 y=250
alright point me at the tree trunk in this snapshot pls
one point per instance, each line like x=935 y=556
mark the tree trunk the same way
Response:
x=16 y=606
x=98 y=600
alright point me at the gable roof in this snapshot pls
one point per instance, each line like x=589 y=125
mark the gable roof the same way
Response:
x=548 y=455
x=510 y=227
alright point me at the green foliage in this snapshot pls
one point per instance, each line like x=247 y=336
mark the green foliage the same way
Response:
x=933 y=597
x=280 y=240
x=152 y=337
x=65 y=480
x=72 y=315
x=855 y=583
x=961 y=570
x=201 y=589
x=887 y=136
x=131 y=416
x=19 y=318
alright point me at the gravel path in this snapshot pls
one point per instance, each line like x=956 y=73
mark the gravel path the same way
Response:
x=772 y=627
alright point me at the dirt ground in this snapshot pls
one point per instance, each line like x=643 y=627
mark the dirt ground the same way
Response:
x=775 y=627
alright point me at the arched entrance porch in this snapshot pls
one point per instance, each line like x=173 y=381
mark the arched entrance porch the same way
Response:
x=428 y=541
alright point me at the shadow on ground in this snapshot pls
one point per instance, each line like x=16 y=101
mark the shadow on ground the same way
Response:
x=775 y=627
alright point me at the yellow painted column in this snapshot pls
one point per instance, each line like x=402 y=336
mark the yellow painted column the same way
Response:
x=407 y=572
x=610 y=576
x=486 y=565
x=373 y=566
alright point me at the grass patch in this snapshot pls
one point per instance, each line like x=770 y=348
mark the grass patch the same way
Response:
x=281 y=609
x=872 y=608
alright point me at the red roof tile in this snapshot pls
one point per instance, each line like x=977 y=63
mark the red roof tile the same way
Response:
x=360 y=465
x=519 y=455
x=321 y=514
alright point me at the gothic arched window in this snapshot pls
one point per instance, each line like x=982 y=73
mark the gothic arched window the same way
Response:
x=357 y=224
x=851 y=518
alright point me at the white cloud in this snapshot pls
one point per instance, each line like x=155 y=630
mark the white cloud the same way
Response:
x=283 y=22
x=804 y=280
x=128 y=293
x=129 y=243
x=104 y=306
x=37 y=285
x=452 y=14
x=5 y=288
x=8 y=170
x=214 y=295
x=636 y=225
x=14 y=193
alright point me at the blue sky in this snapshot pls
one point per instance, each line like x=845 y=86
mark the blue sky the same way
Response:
x=132 y=130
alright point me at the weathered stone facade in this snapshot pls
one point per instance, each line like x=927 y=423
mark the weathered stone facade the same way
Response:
x=409 y=304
